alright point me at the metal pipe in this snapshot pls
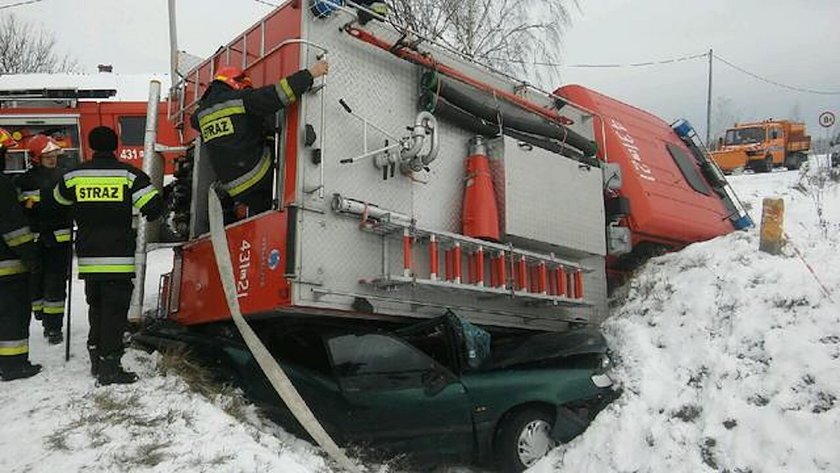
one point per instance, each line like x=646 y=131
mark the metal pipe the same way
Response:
x=173 y=47
x=412 y=160
x=356 y=207
x=145 y=231
x=323 y=161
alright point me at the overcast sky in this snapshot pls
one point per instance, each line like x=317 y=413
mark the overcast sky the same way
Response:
x=794 y=42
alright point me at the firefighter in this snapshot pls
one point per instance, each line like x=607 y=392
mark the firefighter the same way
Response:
x=51 y=223
x=234 y=120
x=102 y=192
x=17 y=255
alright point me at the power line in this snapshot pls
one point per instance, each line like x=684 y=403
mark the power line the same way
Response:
x=267 y=3
x=770 y=81
x=19 y=4
x=605 y=66
x=672 y=61
x=643 y=64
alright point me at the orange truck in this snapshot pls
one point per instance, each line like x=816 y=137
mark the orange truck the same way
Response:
x=763 y=145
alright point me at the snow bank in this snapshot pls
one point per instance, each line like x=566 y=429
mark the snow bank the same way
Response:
x=729 y=358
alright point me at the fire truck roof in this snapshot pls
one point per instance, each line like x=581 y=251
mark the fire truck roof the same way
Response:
x=128 y=87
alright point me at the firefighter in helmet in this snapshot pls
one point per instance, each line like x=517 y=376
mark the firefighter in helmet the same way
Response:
x=18 y=256
x=234 y=121
x=102 y=192
x=51 y=223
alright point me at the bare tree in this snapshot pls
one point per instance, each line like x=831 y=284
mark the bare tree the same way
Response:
x=510 y=35
x=724 y=117
x=25 y=48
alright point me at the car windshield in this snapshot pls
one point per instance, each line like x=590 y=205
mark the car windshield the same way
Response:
x=742 y=136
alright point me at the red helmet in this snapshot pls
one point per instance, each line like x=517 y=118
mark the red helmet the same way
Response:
x=6 y=140
x=234 y=77
x=39 y=145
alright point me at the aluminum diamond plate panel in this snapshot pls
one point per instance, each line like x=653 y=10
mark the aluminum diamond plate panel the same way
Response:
x=335 y=259
x=548 y=201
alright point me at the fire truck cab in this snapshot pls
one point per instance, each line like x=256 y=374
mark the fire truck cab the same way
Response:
x=67 y=106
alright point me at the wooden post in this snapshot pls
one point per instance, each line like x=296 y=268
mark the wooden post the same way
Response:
x=772 y=229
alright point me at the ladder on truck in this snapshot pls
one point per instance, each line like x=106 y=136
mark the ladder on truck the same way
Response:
x=471 y=265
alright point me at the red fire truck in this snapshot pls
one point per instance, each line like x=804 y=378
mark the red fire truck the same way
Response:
x=68 y=106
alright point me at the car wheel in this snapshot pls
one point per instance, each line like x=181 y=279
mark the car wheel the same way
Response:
x=523 y=439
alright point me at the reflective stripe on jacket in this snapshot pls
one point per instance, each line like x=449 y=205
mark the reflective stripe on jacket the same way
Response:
x=102 y=192
x=17 y=241
x=234 y=125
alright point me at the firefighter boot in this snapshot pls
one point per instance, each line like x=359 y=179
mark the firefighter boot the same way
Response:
x=93 y=353
x=54 y=337
x=110 y=372
x=20 y=370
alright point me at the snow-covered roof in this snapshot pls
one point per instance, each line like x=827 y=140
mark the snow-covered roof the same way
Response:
x=129 y=87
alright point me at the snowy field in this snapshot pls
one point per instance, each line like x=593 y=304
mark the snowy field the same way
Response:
x=729 y=359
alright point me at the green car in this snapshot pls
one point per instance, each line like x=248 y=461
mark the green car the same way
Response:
x=439 y=391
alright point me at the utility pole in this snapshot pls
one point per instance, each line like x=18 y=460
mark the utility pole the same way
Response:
x=709 y=104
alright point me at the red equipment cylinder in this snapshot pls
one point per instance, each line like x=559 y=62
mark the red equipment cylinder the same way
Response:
x=578 y=285
x=406 y=253
x=433 y=258
x=479 y=267
x=502 y=262
x=480 y=213
x=521 y=274
x=542 y=278
x=456 y=262
x=560 y=281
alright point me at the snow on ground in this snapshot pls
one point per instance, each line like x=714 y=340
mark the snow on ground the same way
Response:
x=60 y=421
x=729 y=358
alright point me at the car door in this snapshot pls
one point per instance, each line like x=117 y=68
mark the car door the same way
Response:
x=399 y=398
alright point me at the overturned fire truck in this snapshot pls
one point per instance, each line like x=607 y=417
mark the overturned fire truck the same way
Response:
x=411 y=183
x=377 y=215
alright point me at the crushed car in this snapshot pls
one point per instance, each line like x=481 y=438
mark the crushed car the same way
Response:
x=441 y=390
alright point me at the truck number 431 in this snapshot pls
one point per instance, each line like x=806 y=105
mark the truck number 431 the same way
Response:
x=244 y=261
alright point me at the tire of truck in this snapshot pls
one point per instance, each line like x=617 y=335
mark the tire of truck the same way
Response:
x=766 y=165
x=522 y=439
x=794 y=161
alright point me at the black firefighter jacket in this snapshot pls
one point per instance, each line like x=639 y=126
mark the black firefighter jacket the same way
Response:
x=47 y=219
x=102 y=192
x=17 y=245
x=233 y=128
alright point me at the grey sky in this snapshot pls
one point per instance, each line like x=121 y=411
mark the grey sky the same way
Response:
x=794 y=42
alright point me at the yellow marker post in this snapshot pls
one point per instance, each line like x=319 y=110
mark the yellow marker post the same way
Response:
x=772 y=229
